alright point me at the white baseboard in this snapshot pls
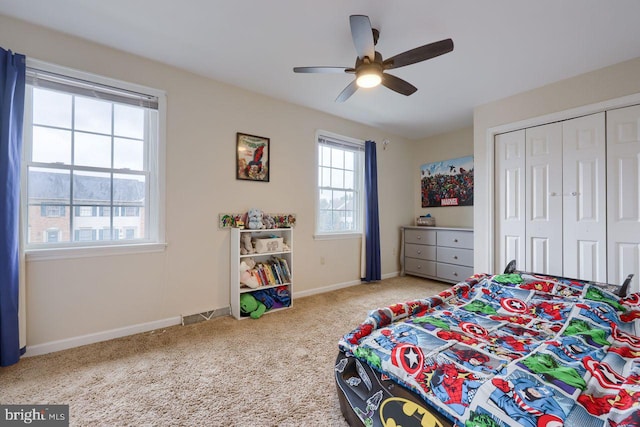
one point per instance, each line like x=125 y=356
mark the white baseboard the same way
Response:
x=53 y=346
x=337 y=286
x=67 y=343
x=390 y=275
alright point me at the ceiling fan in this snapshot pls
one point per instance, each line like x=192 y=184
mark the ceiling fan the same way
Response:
x=370 y=67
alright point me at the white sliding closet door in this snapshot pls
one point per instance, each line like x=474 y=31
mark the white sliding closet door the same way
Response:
x=551 y=198
x=543 y=183
x=510 y=198
x=584 y=198
x=623 y=189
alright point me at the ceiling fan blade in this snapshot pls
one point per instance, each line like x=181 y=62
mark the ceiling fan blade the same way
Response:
x=347 y=92
x=397 y=84
x=323 y=70
x=419 y=54
x=362 y=35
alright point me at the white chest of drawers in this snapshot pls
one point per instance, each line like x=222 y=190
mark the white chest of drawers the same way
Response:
x=439 y=253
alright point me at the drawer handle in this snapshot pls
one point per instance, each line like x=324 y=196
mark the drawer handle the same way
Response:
x=455 y=274
x=419 y=267
x=455 y=240
x=419 y=237
x=455 y=257
x=419 y=252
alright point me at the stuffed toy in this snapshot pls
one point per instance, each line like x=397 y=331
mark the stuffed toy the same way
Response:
x=251 y=306
x=283 y=296
x=274 y=297
x=266 y=297
x=245 y=246
x=246 y=278
x=269 y=222
x=254 y=219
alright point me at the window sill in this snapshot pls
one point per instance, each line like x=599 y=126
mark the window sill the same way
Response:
x=337 y=236
x=87 y=252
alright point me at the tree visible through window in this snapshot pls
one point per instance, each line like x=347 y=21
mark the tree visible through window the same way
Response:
x=89 y=156
x=340 y=176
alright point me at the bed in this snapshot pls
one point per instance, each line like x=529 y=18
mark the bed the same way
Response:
x=512 y=349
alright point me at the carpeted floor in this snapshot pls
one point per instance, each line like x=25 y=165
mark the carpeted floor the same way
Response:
x=274 y=371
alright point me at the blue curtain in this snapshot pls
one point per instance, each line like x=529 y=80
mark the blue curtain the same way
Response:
x=12 y=81
x=371 y=223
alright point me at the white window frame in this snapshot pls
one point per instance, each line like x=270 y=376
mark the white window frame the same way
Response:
x=156 y=186
x=357 y=145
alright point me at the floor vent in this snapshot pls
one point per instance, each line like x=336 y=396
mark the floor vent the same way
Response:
x=205 y=315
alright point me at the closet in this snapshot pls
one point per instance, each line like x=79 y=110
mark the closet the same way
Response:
x=568 y=197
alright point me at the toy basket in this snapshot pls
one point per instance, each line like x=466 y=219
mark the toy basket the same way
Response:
x=271 y=244
x=427 y=221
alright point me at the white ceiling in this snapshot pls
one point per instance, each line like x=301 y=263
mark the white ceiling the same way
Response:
x=502 y=47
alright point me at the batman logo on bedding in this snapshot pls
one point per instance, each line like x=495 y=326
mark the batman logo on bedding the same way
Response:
x=397 y=411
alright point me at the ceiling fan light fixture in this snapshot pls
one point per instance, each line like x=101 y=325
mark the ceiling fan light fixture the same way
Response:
x=369 y=75
x=369 y=80
x=370 y=68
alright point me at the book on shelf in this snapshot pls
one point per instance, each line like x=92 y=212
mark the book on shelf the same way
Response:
x=272 y=272
x=285 y=268
x=270 y=277
x=277 y=272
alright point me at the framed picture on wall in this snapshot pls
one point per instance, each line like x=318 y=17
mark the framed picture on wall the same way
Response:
x=447 y=183
x=252 y=157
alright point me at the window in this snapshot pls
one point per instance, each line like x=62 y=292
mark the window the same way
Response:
x=92 y=148
x=340 y=177
x=104 y=234
x=129 y=233
x=51 y=210
x=85 y=210
x=85 y=235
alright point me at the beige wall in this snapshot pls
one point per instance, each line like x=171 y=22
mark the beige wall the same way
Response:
x=568 y=98
x=442 y=147
x=84 y=296
x=80 y=297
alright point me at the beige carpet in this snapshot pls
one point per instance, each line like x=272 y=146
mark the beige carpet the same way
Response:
x=274 y=371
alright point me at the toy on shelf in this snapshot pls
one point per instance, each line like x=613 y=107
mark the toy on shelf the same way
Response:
x=271 y=220
x=251 y=306
x=268 y=244
x=254 y=219
x=246 y=245
x=247 y=276
x=274 y=297
x=268 y=221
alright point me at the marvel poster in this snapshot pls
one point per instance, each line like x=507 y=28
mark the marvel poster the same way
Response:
x=447 y=183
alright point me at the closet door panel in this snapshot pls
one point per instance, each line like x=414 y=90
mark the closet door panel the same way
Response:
x=540 y=255
x=627 y=261
x=543 y=189
x=587 y=257
x=623 y=190
x=584 y=198
x=510 y=199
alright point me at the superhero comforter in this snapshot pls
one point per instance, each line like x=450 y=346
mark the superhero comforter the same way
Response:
x=509 y=350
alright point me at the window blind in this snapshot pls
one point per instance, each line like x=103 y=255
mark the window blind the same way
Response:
x=340 y=143
x=49 y=80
